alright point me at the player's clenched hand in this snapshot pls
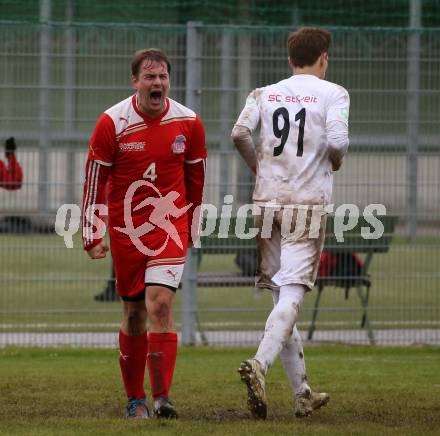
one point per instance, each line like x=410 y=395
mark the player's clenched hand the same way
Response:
x=336 y=165
x=98 y=251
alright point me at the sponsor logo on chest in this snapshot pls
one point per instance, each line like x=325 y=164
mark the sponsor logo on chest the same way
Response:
x=132 y=146
x=178 y=146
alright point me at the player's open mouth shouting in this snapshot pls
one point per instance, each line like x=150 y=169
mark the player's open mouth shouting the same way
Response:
x=156 y=98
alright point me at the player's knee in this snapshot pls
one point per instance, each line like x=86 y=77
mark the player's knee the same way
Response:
x=286 y=315
x=160 y=310
x=135 y=320
x=282 y=320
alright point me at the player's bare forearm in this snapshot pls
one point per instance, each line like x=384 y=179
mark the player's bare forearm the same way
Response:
x=242 y=138
x=99 y=251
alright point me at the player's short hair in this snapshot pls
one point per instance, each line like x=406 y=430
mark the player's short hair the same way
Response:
x=153 y=54
x=307 y=44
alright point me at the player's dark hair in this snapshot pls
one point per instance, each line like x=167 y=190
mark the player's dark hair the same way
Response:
x=152 y=54
x=307 y=44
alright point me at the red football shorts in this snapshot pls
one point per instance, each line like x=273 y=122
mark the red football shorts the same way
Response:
x=133 y=268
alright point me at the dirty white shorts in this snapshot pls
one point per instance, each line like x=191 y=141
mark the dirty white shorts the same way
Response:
x=289 y=246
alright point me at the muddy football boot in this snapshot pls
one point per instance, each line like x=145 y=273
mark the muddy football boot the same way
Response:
x=164 y=408
x=253 y=376
x=309 y=401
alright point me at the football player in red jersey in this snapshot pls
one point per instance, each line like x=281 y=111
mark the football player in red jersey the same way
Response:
x=11 y=174
x=152 y=151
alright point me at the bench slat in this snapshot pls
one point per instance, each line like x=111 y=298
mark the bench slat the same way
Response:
x=212 y=279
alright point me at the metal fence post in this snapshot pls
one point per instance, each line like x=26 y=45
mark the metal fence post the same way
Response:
x=225 y=110
x=69 y=101
x=245 y=178
x=189 y=299
x=413 y=113
x=192 y=100
x=44 y=138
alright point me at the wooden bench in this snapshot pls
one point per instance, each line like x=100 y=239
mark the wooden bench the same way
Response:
x=213 y=244
x=353 y=243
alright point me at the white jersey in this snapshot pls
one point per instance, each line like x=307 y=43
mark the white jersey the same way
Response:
x=296 y=115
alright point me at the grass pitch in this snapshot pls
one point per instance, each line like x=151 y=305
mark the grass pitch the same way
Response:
x=374 y=391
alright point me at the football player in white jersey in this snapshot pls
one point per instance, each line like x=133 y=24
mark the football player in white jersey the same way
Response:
x=303 y=124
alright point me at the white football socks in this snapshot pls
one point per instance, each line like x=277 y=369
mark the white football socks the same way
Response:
x=292 y=356
x=280 y=324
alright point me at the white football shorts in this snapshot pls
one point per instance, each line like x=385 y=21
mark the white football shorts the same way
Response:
x=289 y=246
x=168 y=275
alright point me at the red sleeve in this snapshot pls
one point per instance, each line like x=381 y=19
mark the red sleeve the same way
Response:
x=98 y=167
x=102 y=145
x=194 y=183
x=197 y=143
x=11 y=174
x=93 y=202
x=195 y=175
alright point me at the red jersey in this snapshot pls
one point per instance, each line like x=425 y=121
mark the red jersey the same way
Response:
x=145 y=159
x=11 y=174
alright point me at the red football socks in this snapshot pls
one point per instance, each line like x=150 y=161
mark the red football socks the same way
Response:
x=161 y=360
x=132 y=358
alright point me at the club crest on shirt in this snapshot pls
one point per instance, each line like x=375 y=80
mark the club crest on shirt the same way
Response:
x=178 y=146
